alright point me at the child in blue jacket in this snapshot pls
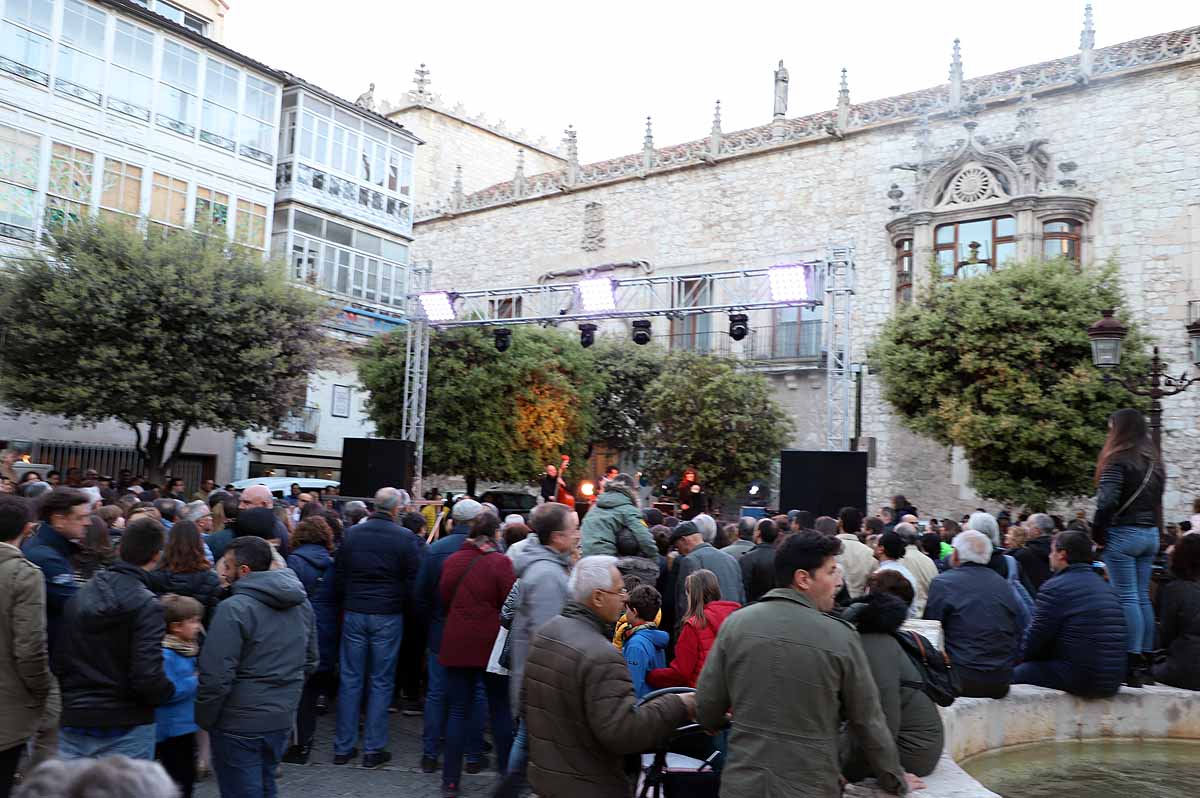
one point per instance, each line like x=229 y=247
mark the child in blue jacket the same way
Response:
x=176 y=747
x=645 y=645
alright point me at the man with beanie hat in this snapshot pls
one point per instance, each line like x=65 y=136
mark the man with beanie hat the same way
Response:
x=429 y=602
x=695 y=554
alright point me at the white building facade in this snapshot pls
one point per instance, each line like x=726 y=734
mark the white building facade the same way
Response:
x=1095 y=156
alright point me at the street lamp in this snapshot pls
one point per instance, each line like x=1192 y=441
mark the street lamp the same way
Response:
x=1106 y=336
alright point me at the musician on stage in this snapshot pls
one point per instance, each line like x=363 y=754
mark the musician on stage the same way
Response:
x=550 y=483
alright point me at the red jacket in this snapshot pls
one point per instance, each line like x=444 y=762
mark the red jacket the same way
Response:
x=692 y=648
x=473 y=620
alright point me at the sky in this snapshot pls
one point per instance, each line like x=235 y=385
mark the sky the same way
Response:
x=604 y=67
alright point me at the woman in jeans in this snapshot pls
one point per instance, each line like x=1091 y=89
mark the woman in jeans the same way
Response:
x=1129 y=486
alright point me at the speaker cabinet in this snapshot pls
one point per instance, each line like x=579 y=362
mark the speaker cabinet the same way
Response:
x=369 y=464
x=822 y=482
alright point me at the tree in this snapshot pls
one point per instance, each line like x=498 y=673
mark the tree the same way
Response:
x=162 y=333
x=490 y=415
x=620 y=405
x=723 y=422
x=1001 y=365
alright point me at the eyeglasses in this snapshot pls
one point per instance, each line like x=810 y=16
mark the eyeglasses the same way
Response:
x=622 y=592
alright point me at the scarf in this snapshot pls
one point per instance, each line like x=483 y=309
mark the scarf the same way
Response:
x=185 y=648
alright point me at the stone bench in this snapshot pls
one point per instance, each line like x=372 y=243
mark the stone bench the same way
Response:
x=1036 y=714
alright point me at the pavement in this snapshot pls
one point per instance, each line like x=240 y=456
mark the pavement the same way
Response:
x=402 y=776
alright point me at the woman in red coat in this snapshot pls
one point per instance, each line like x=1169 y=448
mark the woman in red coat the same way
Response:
x=705 y=614
x=475 y=582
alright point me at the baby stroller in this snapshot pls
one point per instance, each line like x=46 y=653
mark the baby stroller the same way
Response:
x=686 y=764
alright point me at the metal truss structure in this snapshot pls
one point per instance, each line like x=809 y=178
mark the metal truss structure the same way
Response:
x=671 y=295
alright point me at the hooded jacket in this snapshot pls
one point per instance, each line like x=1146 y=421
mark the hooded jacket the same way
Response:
x=109 y=656
x=543 y=573
x=645 y=650
x=260 y=648
x=25 y=680
x=911 y=715
x=615 y=510
x=581 y=713
x=691 y=650
x=313 y=565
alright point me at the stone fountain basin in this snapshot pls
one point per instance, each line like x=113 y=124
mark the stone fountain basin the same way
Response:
x=1035 y=714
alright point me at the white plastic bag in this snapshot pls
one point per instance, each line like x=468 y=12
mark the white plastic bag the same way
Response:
x=493 y=665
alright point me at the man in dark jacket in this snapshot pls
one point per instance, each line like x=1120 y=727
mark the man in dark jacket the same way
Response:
x=260 y=648
x=758 y=565
x=375 y=574
x=1034 y=556
x=64 y=513
x=109 y=658
x=579 y=704
x=1077 y=640
x=695 y=554
x=979 y=616
x=428 y=578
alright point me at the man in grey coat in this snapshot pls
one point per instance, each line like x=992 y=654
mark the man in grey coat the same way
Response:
x=543 y=568
x=695 y=554
x=261 y=647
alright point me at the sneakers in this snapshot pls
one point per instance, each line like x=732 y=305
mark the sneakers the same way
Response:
x=341 y=759
x=376 y=759
x=428 y=764
x=478 y=766
x=449 y=791
x=297 y=755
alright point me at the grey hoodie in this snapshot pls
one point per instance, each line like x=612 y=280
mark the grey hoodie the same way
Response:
x=542 y=573
x=261 y=647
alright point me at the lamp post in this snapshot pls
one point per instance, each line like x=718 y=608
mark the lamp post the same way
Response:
x=1106 y=336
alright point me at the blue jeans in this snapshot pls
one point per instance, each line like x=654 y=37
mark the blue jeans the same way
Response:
x=462 y=685
x=434 y=727
x=519 y=756
x=245 y=763
x=370 y=644
x=137 y=743
x=1129 y=558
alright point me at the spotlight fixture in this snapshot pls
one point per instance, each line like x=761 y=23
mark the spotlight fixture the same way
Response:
x=789 y=283
x=503 y=339
x=437 y=306
x=587 y=489
x=587 y=335
x=758 y=493
x=596 y=295
x=739 y=326
x=641 y=332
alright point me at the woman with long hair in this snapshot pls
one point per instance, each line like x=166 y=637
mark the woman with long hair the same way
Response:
x=701 y=621
x=95 y=552
x=1129 y=485
x=185 y=571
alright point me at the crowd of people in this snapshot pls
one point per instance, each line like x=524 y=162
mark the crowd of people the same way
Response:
x=211 y=633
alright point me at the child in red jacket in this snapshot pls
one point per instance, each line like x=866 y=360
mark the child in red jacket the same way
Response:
x=705 y=614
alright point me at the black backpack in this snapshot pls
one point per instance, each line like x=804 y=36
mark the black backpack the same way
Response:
x=940 y=680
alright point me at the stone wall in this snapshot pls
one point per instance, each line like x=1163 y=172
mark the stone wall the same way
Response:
x=1135 y=141
x=486 y=158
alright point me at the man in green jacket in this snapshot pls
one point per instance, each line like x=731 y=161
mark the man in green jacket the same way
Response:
x=789 y=673
x=617 y=510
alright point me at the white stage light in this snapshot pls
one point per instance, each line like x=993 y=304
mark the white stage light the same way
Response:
x=437 y=306
x=788 y=283
x=596 y=294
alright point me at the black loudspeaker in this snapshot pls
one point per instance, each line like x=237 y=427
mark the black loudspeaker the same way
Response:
x=822 y=482
x=369 y=464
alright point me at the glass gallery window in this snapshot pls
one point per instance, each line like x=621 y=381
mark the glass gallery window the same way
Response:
x=966 y=249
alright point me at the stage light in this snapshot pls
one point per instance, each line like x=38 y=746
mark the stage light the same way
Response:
x=437 y=306
x=503 y=339
x=596 y=294
x=641 y=332
x=587 y=489
x=788 y=283
x=758 y=493
x=739 y=327
x=587 y=335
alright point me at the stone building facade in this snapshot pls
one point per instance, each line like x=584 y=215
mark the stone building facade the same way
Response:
x=464 y=153
x=1096 y=155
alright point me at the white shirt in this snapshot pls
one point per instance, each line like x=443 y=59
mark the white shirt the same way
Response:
x=896 y=565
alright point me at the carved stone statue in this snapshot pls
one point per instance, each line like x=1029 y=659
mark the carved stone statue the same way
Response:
x=367 y=99
x=781 y=91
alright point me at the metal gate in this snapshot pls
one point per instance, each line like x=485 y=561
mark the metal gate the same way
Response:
x=111 y=460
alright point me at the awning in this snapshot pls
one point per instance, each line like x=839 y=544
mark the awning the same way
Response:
x=295 y=456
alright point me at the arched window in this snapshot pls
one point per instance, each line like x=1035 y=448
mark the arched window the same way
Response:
x=904 y=270
x=1061 y=238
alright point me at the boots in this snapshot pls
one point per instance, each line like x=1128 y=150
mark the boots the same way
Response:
x=1133 y=670
x=1148 y=668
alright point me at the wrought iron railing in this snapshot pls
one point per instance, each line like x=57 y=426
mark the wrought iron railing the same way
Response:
x=301 y=425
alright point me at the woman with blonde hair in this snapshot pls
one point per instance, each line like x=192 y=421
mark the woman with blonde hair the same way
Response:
x=702 y=620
